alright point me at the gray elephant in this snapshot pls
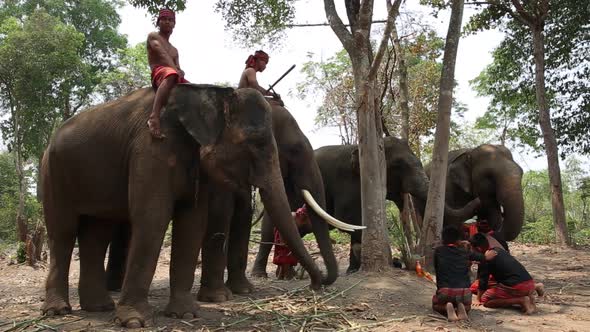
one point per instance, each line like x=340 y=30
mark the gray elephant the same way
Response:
x=103 y=166
x=230 y=215
x=490 y=173
x=339 y=166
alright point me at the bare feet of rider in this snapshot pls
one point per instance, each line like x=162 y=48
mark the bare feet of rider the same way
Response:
x=154 y=126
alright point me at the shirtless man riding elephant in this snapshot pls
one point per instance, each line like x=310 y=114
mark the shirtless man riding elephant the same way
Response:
x=163 y=61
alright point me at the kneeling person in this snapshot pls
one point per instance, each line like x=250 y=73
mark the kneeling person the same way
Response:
x=515 y=285
x=451 y=263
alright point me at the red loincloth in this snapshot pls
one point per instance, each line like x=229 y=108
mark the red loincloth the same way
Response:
x=159 y=74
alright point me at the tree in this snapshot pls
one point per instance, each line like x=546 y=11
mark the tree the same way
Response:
x=35 y=58
x=566 y=23
x=254 y=20
x=132 y=73
x=98 y=21
x=433 y=216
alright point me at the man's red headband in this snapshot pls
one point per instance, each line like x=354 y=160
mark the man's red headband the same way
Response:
x=261 y=55
x=166 y=13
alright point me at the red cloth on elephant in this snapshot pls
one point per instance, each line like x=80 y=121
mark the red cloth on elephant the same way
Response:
x=160 y=73
x=282 y=254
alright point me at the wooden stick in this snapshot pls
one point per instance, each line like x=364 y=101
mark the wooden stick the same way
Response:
x=378 y=323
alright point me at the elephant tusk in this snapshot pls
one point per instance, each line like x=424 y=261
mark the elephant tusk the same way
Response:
x=328 y=218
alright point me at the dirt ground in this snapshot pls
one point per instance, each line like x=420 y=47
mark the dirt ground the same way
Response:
x=394 y=300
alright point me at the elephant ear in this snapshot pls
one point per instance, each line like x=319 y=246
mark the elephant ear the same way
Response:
x=460 y=171
x=202 y=110
x=354 y=161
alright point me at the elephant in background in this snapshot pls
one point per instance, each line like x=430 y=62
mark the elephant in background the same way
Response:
x=490 y=173
x=102 y=167
x=340 y=169
x=232 y=213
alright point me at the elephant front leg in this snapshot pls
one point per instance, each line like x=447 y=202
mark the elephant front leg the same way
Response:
x=148 y=226
x=214 y=258
x=93 y=238
x=267 y=238
x=237 y=257
x=355 y=252
x=187 y=237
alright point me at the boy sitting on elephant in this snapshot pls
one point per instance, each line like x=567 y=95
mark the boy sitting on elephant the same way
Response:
x=451 y=263
x=163 y=61
x=283 y=257
x=515 y=284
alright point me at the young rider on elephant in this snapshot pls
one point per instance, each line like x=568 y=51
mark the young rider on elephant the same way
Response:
x=256 y=63
x=163 y=61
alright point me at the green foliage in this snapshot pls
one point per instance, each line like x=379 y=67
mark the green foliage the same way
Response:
x=131 y=74
x=257 y=22
x=9 y=199
x=333 y=79
x=154 y=6
x=538 y=221
x=21 y=253
x=510 y=79
x=36 y=57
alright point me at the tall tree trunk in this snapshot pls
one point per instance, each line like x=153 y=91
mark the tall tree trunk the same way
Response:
x=402 y=76
x=21 y=219
x=433 y=216
x=375 y=252
x=551 y=149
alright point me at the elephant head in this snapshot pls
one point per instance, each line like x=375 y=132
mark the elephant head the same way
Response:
x=405 y=174
x=238 y=149
x=490 y=173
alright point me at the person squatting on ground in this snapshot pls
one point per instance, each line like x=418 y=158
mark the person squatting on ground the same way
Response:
x=451 y=264
x=163 y=61
x=283 y=258
x=515 y=284
x=495 y=240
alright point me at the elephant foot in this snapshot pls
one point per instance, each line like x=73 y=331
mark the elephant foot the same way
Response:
x=183 y=307
x=211 y=294
x=55 y=305
x=352 y=270
x=240 y=285
x=95 y=299
x=258 y=272
x=56 y=308
x=132 y=316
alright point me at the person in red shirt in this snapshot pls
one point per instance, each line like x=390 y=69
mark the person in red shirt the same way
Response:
x=163 y=61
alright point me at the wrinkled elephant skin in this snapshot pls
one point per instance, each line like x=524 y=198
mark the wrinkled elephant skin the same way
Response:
x=103 y=166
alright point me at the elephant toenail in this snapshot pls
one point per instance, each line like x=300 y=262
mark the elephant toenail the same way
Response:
x=188 y=315
x=133 y=323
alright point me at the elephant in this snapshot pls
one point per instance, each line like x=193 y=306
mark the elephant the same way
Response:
x=300 y=173
x=490 y=173
x=339 y=167
x=228 y=230
x=102 y=167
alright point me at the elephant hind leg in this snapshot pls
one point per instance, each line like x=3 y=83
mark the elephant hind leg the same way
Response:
x=61 y=233
x=93 y=238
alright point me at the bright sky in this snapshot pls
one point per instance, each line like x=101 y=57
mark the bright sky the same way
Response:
x=209 y=55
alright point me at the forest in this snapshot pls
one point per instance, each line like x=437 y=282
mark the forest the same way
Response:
x=392 y=77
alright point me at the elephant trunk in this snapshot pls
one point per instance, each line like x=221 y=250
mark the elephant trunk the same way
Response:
x=274 y=198
x=509 y=195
